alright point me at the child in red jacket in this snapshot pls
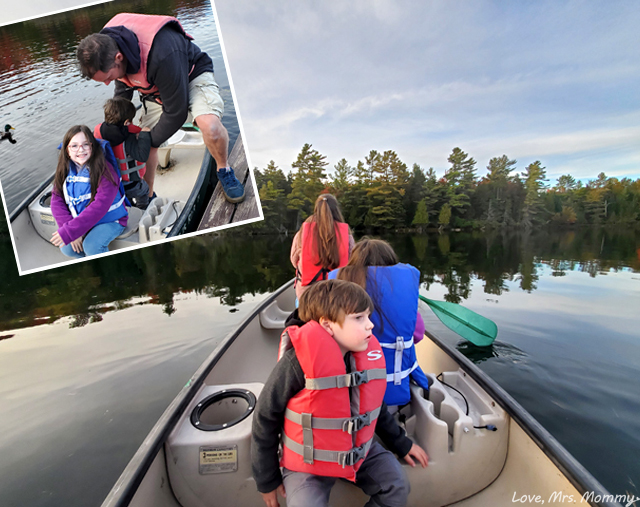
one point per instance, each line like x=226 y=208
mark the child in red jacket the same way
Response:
x=325 y=397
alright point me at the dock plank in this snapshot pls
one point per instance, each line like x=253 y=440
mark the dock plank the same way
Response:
x=219 y=211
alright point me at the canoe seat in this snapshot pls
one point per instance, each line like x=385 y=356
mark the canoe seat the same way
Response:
x=462 y=459
x=273 y=316
x=208 y=453
x=41 y=216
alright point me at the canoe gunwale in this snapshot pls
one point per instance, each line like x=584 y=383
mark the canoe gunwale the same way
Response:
x=577 y=474
x=202 y=190
x=127 y=484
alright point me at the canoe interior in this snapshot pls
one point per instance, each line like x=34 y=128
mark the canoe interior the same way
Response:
x=467 y=466
x=188 y=181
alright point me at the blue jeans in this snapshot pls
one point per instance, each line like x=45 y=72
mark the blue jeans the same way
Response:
x=381 y=477
x=96 y=241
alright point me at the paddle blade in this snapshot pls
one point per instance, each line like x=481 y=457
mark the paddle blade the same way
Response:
x=471 y=326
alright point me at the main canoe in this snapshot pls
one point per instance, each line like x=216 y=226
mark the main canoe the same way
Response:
x=198 y=453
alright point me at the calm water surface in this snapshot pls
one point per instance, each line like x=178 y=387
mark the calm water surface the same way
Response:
x=42 y=93
x=91 y=355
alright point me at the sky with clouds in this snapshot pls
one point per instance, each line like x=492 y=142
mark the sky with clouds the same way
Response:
x=555 y=81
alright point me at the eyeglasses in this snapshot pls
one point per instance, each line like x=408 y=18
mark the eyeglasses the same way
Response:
x=76 y=147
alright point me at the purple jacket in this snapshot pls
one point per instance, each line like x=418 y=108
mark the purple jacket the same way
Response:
x=71 y=228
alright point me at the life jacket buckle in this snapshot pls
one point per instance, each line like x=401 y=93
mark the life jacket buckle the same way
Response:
x=352 y=457
x=359 y=378
x=356 y=423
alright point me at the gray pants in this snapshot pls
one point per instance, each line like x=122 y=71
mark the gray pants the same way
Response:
x=380 y=476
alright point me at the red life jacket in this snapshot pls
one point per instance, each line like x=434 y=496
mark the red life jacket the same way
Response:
x=327 y=429
x=145 y=27
x=126 y=164
x=310 y=269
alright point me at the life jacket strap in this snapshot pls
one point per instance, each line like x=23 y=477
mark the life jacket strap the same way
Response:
x=349 y=424
x=403 y=374
x=118 y=204
x=348 y=380
x=406 y=344
x=320 y=275
x=348 y=458
x=399 y=345
x=133 y=169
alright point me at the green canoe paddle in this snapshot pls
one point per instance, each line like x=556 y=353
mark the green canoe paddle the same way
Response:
x=473 y=327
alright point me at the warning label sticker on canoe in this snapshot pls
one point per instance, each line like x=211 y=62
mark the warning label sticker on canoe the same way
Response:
x=47 y=219
x=217 y=460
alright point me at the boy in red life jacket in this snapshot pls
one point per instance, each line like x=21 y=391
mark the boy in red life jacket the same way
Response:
x=131 y=146
x=323 y=401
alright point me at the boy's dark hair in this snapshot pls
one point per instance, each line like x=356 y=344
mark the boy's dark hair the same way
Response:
x=118 y=109
x=333 y=300
x=96 y=52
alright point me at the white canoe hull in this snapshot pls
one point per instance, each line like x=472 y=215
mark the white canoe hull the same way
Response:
x=180 y=465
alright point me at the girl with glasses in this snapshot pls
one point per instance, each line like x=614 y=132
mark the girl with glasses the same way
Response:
x=88 y=199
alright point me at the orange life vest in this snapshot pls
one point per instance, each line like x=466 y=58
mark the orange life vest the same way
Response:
x=126 y=164
x=310 y=270
x=328 y=430
x=145 y=27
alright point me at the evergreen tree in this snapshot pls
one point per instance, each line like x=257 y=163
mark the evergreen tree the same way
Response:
x=415 y=192
x=445 y=216
x=307 y=182
x=566 y=182
x=421 y=218
x=460 y=179
x=534 y=178
x=386 y=191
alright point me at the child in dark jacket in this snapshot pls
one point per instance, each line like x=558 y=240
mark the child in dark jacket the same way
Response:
x=325 y=397
x=131 y=144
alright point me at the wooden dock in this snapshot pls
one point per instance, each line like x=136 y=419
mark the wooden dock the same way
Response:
x=221 y=212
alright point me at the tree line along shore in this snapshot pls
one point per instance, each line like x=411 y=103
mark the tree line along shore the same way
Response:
x=382 y=193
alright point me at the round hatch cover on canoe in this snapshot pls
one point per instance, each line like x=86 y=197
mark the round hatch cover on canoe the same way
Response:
x=223 y=409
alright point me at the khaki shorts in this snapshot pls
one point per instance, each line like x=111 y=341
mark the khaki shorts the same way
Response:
x=204 y=98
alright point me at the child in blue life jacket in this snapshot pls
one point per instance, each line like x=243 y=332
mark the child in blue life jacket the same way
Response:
x=131 y=145
x=394 y=289
x=87 y=201
x=323 y=401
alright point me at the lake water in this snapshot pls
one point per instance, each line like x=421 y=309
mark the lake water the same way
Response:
x=92 y=354
x=43 y=94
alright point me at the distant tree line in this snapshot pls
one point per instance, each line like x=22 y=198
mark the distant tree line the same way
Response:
x=381 y=193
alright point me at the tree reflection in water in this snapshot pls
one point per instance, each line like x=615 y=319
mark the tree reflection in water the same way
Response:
x=229 y=266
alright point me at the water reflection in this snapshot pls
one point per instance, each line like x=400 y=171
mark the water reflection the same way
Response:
x=208 y=265
x=497 y=258
x=228 y=268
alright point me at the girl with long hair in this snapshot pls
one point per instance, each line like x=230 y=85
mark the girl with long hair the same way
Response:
x=397 y=324
x=323 y=243
x=87 y=201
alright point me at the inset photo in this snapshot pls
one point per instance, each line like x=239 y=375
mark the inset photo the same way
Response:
x=119 y=130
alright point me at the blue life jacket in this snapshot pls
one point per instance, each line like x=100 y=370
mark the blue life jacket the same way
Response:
x=77 y=189
x=394 y=290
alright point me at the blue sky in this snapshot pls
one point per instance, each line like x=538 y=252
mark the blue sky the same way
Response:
x=554 y=81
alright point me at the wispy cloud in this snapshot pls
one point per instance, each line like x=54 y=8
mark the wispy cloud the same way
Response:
x=555 y=81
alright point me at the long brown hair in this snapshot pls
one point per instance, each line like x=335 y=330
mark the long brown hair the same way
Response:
x=367 y=252
x=97 y=163
x=326 y=237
